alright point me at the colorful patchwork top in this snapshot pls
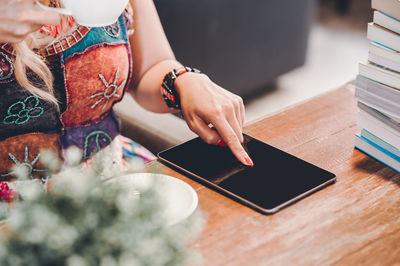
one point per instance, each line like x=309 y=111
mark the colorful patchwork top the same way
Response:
x=91 y=68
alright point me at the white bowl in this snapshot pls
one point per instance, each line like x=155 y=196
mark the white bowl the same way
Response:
x=179 y=199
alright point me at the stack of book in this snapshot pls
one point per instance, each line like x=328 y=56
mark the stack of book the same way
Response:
x=378 y=87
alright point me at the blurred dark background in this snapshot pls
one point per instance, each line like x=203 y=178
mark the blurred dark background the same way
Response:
x=345 y=14
x=242 y=45
x=246 y=45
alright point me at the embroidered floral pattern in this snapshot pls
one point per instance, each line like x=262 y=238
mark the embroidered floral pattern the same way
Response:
x=21 y=112
x=28 y=166
x=6 y=67
x=106 y=95
x=113 y=30
x=98 y=139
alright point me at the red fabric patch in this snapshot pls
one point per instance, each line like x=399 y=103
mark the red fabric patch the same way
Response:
x=25 y=150
x=95 y=80
x=6 y=193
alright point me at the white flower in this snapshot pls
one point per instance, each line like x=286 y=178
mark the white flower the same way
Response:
x=29 y=189
x=127 y=259
x=76 y=260
x=50 y=161
x=108 y=261
x=72 y=156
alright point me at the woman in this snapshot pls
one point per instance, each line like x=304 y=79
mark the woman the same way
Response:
x=59 y=81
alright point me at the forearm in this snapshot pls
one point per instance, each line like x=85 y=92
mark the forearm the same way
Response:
x=147 y=92
x=202 y=101
x=152 y=57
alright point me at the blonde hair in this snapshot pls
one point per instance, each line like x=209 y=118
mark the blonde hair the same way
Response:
x=26 y=59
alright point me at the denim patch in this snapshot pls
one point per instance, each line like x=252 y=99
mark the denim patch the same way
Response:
x=112 y=34
x=22 y=112
x=92 y=138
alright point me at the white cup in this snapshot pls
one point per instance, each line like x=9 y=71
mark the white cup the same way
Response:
x=91 y=13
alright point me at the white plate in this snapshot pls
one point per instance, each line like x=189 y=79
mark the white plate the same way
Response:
x=179 y=199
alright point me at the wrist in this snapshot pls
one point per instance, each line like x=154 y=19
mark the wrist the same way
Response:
x=170 y=88
x=183 y=82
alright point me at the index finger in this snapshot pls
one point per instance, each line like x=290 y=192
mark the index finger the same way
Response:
x=232 y=141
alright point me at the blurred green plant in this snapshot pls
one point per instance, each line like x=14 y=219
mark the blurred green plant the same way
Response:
x=83 y=220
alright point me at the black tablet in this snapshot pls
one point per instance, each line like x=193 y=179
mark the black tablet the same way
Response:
x=276 y=180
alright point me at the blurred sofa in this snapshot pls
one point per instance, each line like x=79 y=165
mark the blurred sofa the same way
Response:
x=242 y=45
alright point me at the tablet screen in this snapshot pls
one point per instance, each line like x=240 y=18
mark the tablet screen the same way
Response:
x=276 y=178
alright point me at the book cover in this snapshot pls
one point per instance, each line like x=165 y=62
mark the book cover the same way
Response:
x=390 y=7
x=380 y=74
x=379 y=142
x=379 y=89
x=384 y=51
x=387 y=21
x=380 y=125
x=384 y=36
x=378 y=104
x=387 y=119
x=378 y=96
x=384 y=62
x=377 y=152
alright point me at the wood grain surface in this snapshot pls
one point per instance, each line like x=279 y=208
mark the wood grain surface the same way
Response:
x=356 y=221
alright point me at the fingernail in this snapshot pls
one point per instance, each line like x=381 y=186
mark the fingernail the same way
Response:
x=249 y=161
x=221 y=143
x=70 y=21
x=54 y=31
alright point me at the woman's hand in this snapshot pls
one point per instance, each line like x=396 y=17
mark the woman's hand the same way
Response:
x=19 y=18
x=203 y=102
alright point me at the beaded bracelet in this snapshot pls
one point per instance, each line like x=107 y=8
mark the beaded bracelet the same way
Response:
x=168 y=90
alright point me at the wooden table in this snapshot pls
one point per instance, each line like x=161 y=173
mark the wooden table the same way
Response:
x=355 y=221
